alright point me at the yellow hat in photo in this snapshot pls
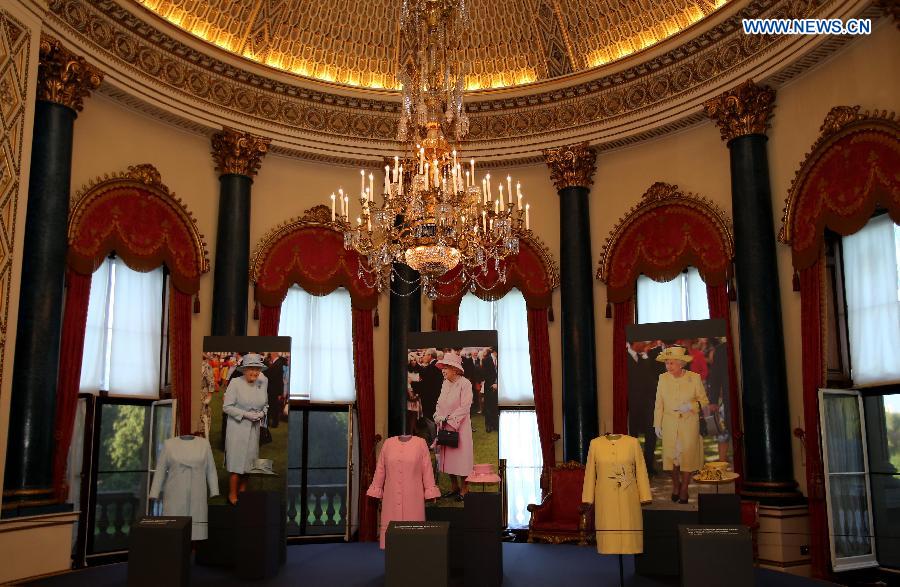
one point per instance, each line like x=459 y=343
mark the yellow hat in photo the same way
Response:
x=674 y=352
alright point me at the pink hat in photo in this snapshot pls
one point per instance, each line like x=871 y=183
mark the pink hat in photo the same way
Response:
x=483 y=473
x=451 y=360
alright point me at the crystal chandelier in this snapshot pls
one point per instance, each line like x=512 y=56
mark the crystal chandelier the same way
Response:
x=434 y=213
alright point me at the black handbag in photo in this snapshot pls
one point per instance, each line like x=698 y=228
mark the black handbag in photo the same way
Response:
x=704 y=427
x=448 y=438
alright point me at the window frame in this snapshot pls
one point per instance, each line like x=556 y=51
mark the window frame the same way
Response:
x=862 y=561
x=305 y=407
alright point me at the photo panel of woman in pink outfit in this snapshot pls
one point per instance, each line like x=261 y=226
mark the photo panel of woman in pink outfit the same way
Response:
x=452 y=404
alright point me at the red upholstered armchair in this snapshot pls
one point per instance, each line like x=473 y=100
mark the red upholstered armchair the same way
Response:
x=558 y=517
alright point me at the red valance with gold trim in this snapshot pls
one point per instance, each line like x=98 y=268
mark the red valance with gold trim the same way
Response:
x=532 y=271
x=308 y=251
x=134 y=215
x=667 y=231
x=853 y=168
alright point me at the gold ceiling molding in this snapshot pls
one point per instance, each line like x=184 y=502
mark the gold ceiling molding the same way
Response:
x=344 y=125
x=63 y=77
x=238 y=152
x=745 y=110
x=512 y=42
x=571 y=165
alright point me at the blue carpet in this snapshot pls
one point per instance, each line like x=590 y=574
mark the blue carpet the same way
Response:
x=362 y=565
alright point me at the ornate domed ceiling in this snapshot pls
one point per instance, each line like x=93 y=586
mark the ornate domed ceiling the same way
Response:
x=317 y=77
x=512 y=42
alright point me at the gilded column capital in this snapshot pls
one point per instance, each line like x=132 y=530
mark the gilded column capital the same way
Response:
x=571 y=165
x=63 y=77
x=238 y=152
x=745 y=110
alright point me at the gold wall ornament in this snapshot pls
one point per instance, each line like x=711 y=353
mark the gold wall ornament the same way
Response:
x=148 y=174
x=745 y=110
x=572 y=165
x=238 y=152
x=839 y=117
x=63 y=77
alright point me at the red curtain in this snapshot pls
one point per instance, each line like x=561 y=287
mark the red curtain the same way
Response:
x=446 y=322
x=539 y=348
x=269 y=317
x=719 y=307
x=180 y=317
x=364 y=370
x=623 y=317
x=78 y=292
x=811 y=323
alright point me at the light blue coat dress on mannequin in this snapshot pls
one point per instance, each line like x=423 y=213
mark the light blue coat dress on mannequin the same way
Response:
x=242 y=434
x=184 y=469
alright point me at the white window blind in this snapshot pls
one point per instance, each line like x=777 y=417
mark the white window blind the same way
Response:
x=321 y=332
x=520 y=445
x=873 y=301
x=509 y=317
x=124 y=331
x=683 y=298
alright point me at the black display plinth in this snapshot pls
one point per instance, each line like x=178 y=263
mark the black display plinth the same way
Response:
x=416 y=554
x=719 y=508
x=159 y=552
x=258 y=534
x=715 y=554
x=456 y=540
x=218 y=549
x=660 y=557
x=482 y=546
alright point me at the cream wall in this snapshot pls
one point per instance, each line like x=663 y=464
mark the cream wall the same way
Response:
x=110 y=137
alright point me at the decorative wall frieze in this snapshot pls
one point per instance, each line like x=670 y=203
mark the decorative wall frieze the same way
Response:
x=572 y=165
x=745 y=110
x=238 y=152
x=600 y=105
x=63 y=77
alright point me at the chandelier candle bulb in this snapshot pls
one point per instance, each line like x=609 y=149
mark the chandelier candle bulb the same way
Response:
x=468 y=185
x=437 y=173
x=371 y=185
x=509 y=188
x=346 y=208
x=496 y=207
x=332 y=206
x=472 y=166
x=400 y=181
x=527 y=223
x=501 y=196
x=488 y=180
x=387 y=178
x=362 y=181
x=519 y=196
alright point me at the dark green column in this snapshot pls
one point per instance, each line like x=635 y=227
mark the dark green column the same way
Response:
x=406 y=316
x=572 y=169
x=64 y=79
x=238 y=156
x=742 y=115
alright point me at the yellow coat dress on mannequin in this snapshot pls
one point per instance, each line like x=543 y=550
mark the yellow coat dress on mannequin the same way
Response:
x=681 y=440
x=616 y=482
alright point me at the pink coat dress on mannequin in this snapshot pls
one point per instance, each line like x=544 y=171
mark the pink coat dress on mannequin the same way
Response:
x=403 y=481
x=453 y=405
